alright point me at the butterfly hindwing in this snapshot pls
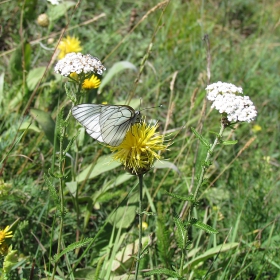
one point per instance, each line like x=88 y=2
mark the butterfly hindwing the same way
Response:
x=106 y=123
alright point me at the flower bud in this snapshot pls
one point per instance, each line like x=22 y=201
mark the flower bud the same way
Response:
x=43 y=20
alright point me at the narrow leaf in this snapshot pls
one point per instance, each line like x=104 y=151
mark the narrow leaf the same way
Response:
x=115 y=69
x=1 y=87
x=163 y=271
x=180 y=233
x=166 y=164
x=229 y=142
x=34 y=76
x=203 y=226
x=184 y=198
x=46 y=122
x=72 y=247
x=201 y=138
x=103 y=164
x=209 y=254
x=52 y=190
x=123 y=217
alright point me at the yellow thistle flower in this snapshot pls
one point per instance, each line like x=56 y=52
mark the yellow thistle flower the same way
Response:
x=138 y=150
x=92 y=82
x=69 y=45
x=5 y=234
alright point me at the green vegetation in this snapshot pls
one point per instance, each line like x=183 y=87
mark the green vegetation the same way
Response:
x=72 y=210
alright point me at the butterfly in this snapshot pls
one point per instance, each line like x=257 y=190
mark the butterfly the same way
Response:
x=106 y=123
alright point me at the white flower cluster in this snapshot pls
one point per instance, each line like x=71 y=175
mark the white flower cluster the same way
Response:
x=78 y=63
x=226 y=100
x=54 y=2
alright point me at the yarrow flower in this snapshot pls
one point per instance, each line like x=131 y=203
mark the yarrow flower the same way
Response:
x=138 y=150
x=92 y=82
x=54 y=2
x=79 y=63
x=69 y=45
x=5 y=234
x=226 y=100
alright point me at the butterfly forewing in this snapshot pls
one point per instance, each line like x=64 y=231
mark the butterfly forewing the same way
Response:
x=115 y=122
x=106 y=123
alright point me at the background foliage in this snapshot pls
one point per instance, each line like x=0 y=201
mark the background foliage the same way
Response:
x=240 y=198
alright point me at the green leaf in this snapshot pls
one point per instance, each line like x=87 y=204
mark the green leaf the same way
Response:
x=27 y=125
x=163 y=271
x=57 y=11
x=163 y=236
x=2 y=87
x=46 y=122
x=203 y=226
x=103 y=164
x=166 y=164
x=10 y=260
x=126 y=256
x=72 y=247
x=209 y=254
x=52 y=191
x=201 y=138
x=229 y=142
x=181 y=233
x=72 y=187
x=184 y=198
x=123 y=217
x=114 y=70
x=34 y=76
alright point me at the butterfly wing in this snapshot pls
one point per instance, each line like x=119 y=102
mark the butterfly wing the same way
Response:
x=106 y=123
x=115 y=121
x=88 y=115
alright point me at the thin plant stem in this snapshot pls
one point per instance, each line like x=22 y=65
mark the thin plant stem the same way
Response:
x=61 y=185
x=140 y=225
x=209 y=153
x=199 y=184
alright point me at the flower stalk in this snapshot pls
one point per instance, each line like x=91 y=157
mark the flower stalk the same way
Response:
x=140 y=177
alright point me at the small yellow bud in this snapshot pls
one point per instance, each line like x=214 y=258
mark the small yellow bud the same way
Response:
x=43 y=20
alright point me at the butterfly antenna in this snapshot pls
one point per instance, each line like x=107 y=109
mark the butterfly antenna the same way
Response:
x=152 y=107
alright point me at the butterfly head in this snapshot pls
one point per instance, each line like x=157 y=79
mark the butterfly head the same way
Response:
x=137 y=117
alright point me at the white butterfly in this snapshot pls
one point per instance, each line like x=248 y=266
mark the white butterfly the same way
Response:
x=106 y=123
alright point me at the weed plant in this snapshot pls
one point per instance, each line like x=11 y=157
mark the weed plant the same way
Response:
x=210 y=206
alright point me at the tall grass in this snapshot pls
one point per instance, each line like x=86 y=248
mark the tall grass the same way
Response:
x=239 y=195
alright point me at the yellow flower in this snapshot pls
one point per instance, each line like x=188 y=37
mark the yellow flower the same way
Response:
x=68 y=45
x=256 y=128
x=138 y=150
x=144 y=225
x=5 y=234
x=92 y=82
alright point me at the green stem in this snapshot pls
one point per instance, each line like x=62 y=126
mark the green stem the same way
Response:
x=140 y=225
x=61 y=184
x=206 y=165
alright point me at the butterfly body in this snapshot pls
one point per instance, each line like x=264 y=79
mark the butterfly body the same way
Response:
x=106 y=123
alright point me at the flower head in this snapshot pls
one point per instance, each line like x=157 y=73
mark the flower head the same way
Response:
x=138 y=150
x=79 y=63
x=226 y=100
x=69 y=45
x=54 y=2
x=5 y=234
x=92 y=82
x=43 y=20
